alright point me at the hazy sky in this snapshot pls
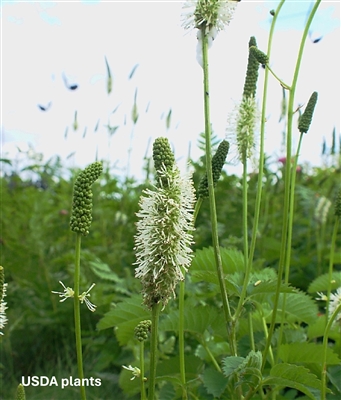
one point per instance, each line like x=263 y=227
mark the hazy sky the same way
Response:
x=48 y=45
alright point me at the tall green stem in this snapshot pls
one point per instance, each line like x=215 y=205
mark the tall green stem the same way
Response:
x=261 y=145
x=213 y=211
x=331 y=262
x=247 y=264
x=325 y=346
x=288 y=199
x=153 y=350
x=182 y=339
x=78 y=331
x=143 y=386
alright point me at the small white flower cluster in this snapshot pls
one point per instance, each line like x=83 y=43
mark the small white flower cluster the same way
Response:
x=69 y=292
x=213 y=14
x=242 y=126
x=334 y=302
x=136 y=372
x=3 y=308
x=163 y=240
x=321 y=210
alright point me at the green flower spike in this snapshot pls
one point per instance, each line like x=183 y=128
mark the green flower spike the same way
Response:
x=338 y=204
x=21 y=392
x=142 y=330
x=82 y=199
x=305 y=120
x=218 y=161
x=163 y=158
x=250 y=84
x=261 y=57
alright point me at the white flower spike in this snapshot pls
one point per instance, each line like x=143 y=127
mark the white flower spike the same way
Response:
x=163 y=240
x=334 y=302
x=3 y=308
x=213 y=14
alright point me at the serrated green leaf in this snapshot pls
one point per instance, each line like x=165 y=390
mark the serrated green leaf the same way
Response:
x=321 y=283
x=317 y=329
x=294 y=376
x=204 y=260
x=334 y=374
x=196 y=320
x=306 y=353
x=167 y=392
x=215 y=382
x=103 y=271
x=269 y=287
x=299 y=308
x=231 y=364
x=124 y=318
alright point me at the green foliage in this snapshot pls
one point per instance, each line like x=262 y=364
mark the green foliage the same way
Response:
x=37 y=252
x=293 y=376
x=298 y=353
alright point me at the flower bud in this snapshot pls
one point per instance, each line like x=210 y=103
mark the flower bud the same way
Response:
x=21 y=392
x=163 y=158
x=81 y=217
x=142 y=330
x=251 y=73
x=261 y=57
x=305 y=119
x=218 y=161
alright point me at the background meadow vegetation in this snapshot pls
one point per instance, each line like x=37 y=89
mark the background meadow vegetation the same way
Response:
x=37 y=251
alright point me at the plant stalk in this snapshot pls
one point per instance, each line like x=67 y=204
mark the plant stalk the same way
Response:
x=78 y=330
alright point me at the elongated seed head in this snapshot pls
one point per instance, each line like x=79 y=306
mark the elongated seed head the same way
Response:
x=218 y=161
x=305 y=119
x=81 y=215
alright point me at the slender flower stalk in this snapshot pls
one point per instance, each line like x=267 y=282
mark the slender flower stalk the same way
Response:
x=245 y=127
x=213 y=211
x=337 y=213
x=335 y=316
x=285 y=252
x=80 y=222
x=141 y=333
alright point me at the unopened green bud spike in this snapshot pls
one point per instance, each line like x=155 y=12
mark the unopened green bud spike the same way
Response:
x=218 y=161
x=21 y=392
x=162 y=155
x=142 y=330
x=250 y=84
x=305 y=120
x=82 y=199
x=261 y=57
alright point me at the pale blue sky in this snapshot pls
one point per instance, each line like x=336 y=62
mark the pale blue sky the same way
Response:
x=41 y=41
